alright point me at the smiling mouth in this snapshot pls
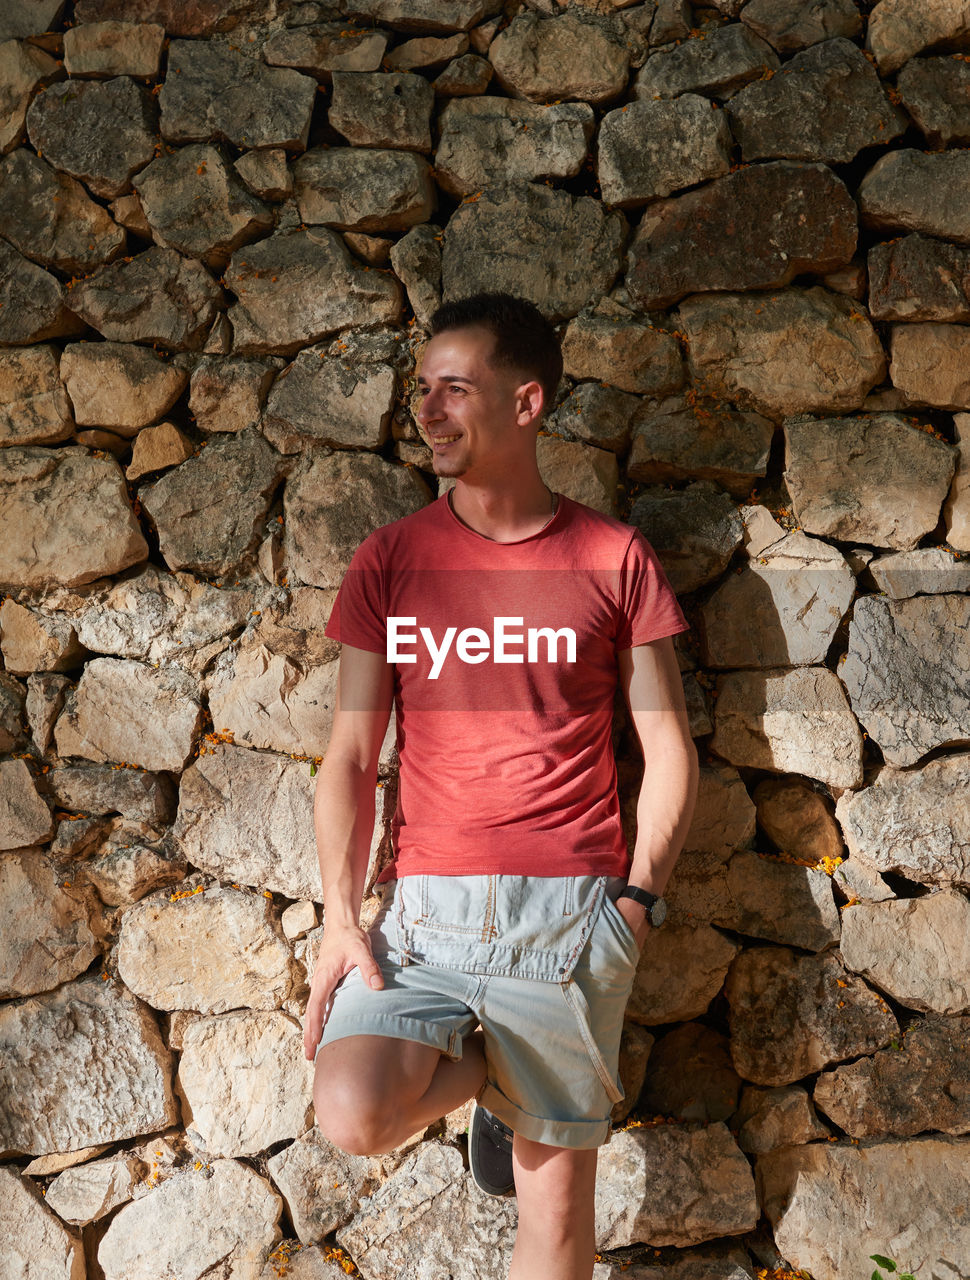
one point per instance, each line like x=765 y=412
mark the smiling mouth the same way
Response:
x=437 y=440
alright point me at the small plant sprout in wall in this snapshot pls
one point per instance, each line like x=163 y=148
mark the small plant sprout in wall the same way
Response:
x=889 y=1266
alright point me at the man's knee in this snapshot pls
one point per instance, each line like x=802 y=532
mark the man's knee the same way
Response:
x=348 y=1113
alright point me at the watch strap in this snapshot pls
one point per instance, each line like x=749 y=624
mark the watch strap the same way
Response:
x=643 y=896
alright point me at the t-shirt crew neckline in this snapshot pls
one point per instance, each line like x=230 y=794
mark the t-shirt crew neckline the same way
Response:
x=517 y=542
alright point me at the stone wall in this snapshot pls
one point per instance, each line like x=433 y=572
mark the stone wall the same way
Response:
x=225 y=223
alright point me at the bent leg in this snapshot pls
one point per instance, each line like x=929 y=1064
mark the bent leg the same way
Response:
x=555 y=1190
x=370 y=1092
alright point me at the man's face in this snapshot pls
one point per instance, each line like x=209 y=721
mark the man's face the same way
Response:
x=469 y=411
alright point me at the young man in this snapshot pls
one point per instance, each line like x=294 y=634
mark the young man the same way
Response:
x=498 y=622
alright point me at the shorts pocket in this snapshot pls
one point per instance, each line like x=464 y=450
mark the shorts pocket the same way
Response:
x=620 y=930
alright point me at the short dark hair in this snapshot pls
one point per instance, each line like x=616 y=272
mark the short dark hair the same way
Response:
x=524 y=338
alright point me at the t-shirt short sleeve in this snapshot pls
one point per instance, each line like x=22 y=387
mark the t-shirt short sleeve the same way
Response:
x=648 y=608
x=359 y=614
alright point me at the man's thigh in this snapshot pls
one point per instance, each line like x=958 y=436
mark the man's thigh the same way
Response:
x=353 y=1073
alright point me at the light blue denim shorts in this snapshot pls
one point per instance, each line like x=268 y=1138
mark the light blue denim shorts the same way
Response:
x=544 y=965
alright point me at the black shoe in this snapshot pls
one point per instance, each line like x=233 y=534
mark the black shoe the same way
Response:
x=490 y=1152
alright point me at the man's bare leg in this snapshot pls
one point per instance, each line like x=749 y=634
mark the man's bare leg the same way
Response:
x=555 y=1191
x=372 y=1092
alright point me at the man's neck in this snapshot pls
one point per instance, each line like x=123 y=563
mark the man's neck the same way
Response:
x=508 y=514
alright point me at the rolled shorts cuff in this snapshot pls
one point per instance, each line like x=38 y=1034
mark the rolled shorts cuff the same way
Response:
x=396 y=1026
x=577 y=1135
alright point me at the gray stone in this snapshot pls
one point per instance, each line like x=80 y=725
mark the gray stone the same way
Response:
x=690 y=439
x=826 y=103
x=213 y=92
x=635 y=1046
x=35 y=1242
x=201 y=18
x=416 y=259
x=265 y=172
x=780 y=902
x=363 y=189
x=682 y=968
x=580 y=471
x=597 y=414
x=925 y=571
x=323 y=530
x=798 y=819
x=208 y=511
x=799 y=351
x=672 y=1186
x=616 y=346
x=118 y=385
x=900 y=28
x=756 y=228
x=134 y=793
x=321 y=1185
x=126 y=872
x=922 y=1081
x=51 y=218
x=574 y=54
x=917 y=949
x=649 y=149
x=695 y=531
x=114 y=49
x=778 y=1117
x=929 y=364
x=33 y=303
x=67 y=518
x=488 y=140
x=907 y=672
x=322 y=48
x=832 y=1205
x=935 y=93
x=382 y=109
x=956 y=509
x=34 y=407
x=23 y=68
x=795 y=721
x=690 y=1076
x=432 y=17
x=65 y=1090
x=195 y=203
x=718 y=61
x=13 y=700
x=789 y=25
x=724 y=817
x=911 y=190
x=46 y=936
x=228 y=392
x=427 y=51
x=30 y=18
x=25 y=817
x=916 y=278
x=466 y=76
x=101 y=131
x=791 y=1015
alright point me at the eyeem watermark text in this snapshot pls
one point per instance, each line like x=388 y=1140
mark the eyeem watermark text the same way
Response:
x=473 y=645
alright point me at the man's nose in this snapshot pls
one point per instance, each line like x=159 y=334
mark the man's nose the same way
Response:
x=428 y=407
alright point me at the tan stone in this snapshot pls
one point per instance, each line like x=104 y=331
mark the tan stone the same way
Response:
x=617 y=347
x=723 y=818
x=119 y=385
x=956 y=509
x=929 y=364
x=35 y=1242
x=25 y=818
x=45 y=932
x=898 y=29
x=156 y=449
x=681 y=970
x=579 y=471
x=778 y=1117
x=22 y=68
x=798 y=819
x=34 y=408
x=570 y=55
x=32 y=642
x=90 y=1191
x=114 y=49
x=321 y=1185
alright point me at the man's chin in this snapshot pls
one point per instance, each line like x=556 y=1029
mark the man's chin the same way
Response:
x=449 y=468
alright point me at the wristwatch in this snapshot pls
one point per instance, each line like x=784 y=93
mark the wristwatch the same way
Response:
x=656 y=908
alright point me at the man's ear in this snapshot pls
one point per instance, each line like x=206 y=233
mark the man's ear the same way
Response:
x=530 y=403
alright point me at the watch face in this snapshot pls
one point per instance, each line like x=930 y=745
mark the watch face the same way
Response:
x=658 y=913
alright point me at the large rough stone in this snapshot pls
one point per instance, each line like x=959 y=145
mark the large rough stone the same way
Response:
x=580 y=471
x=687 y=438
x=569 y=55
x=425 y=16
x=114 y=49
x=826 y=103
x=209 y=510
x=560 y=251
x=416 y=260
x=248 y=816
x=695 y=531
x=796 y=721
x=46 y=935
x=911 y=190
x=363 y=188
x=34 y=408
x=118 y=385
x=935 y=93
x=297 y=287
x=322 y=534
x=779 y=902
x=489 y=140
x=178 y=955
x=917 y=949
x=80 y=1065
x=913 y=822
x=907 y=672
x=382 y=109
x=789 y=25
x=430 y=1208
x=340 y=394
x=724 y=817
x=916 y=278
x=195 y=203
x=682 y=968
x=783 y=609
x=798 y=819
x=25 y=818
x=326 y=47
x=613 y=345
x=22 y=68
x=246 y=1081
x=33 y=303
x=672 y=1186
x=596 y=413
x=800 y=351
x=101 y=131
x=649 y=149
x=717 y=60
x=925 y=571
x=228 y=392
x=66 y=518
x=35 y=1242
x=91 y=1191
x=215 y=92
x=791 y=1014
x=200 y=18
x=32 y=642
x=929 y=364
x=921 y=1082
x=51 y=218
x=321 y=1185
x=756 y=228
x=869 y=479
x=900 y=28
x=222 y=1217
x=689 y=1076
x=832 y=1205
x=30 y=18
x=779 y=1117
x=100 y=789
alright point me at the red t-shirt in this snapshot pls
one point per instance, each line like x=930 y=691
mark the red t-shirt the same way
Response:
x=505 y=658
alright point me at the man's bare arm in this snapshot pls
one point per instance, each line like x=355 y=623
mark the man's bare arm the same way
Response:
x=343 y=819
x=650 y=679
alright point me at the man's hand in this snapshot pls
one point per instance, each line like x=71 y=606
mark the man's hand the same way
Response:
x=636 y=917
x=344 y=947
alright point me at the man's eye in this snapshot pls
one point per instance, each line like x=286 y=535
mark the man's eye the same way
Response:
x=459 y=389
